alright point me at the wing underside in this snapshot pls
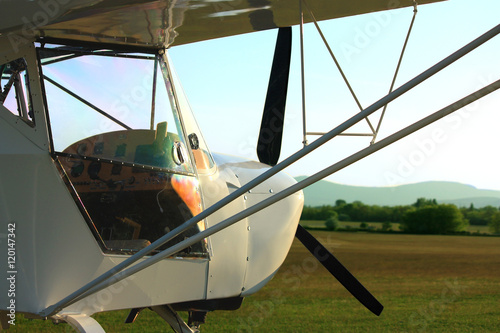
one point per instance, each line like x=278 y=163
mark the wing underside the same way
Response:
x=155 y=24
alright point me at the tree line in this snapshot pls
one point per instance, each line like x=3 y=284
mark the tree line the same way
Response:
x=424 y=216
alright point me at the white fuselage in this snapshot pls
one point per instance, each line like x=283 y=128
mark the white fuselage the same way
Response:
x=56 y=252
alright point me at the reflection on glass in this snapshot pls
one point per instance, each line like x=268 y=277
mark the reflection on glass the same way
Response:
x=119 y=138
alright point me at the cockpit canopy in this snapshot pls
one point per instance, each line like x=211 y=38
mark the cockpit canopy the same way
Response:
x=126 y=143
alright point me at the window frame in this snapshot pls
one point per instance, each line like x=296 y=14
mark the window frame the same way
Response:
x=59 y=155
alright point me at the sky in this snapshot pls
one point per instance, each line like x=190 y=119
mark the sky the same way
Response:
x=226 y=82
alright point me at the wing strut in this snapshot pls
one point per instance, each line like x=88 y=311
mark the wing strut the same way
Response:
x=293 y=189
x=121 y=271
x=99 y=283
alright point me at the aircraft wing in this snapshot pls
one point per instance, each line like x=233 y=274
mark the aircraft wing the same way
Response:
x=160 y=23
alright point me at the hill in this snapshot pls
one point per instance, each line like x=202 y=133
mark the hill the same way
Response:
x=326 y=193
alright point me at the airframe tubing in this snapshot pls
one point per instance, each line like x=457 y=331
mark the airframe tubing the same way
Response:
x=344 y=77
x=83 y=291
x=415 y=11
x=84 y=101
x=302 y=76
x=299 y=186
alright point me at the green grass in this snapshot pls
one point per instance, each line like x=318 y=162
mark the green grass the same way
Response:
x=426 y=283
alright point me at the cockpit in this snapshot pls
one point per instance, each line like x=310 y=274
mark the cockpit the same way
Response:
x=126 y=144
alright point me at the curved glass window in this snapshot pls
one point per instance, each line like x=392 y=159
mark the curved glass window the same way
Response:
x=201 y=153
x=120 y=141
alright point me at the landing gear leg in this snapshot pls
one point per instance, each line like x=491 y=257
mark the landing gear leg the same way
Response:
x=173 y=319
x=196 y=318
x=83 y=323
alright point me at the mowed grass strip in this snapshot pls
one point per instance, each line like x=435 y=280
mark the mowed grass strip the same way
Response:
x=426 y=283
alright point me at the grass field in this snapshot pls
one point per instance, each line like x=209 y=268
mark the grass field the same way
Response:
x=426 y=283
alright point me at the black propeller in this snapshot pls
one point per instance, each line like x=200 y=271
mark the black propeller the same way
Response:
x=271 y=128
x=268 y=151
x=339 y=271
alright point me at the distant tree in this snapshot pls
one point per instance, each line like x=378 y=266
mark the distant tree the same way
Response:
x=308 y=213
x=363 y=225
x=422 y=202
x=332 y=223
x=494 y=223
x=488 y=212
x=379 y=213
x=344 y=217
x=357 y=211
x=480 y=216
x=434 y=219
x=398 y=212
x=340 y=203
x=386 y=226
x=325 y=212
x=317 y=213
x=475 y=217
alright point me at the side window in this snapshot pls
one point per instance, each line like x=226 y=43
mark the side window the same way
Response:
x=202 y=156
x=15 y=92
x=119 y=140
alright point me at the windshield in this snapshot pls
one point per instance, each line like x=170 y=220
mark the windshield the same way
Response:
x=118 y=136
x=112 y=107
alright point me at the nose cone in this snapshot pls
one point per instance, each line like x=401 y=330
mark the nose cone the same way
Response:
x=271 y=230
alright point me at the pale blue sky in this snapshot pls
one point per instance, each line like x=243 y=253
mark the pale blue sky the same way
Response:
x=226 y=82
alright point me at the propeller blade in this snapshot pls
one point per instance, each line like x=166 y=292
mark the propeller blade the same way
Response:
x=271 y=128
x=339 y=271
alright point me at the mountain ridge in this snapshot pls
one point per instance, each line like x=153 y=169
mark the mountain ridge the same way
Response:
x=326 y=192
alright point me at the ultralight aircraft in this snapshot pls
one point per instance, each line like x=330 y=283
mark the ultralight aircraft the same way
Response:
x=110 y=197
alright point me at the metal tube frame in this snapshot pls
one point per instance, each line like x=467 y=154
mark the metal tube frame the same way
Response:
x=115 y=274
x=341 y=134
x=302 y=76
x=84 y=101
x=415 y=11
x=299 y=186
x=374 y=131
x=344 y=77
x=153 y=97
